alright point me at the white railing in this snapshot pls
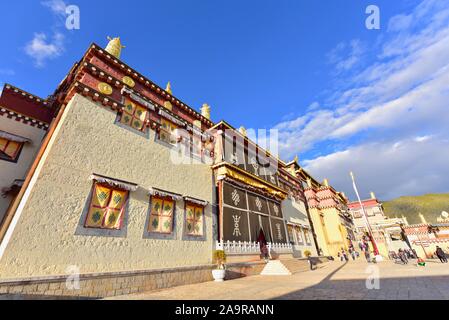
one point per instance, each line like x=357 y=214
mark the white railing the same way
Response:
x=280 y=247
x=244 y=247
x=241 y=247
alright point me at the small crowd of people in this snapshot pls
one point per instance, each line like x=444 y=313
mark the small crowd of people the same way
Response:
x=403 y=255
x=344 y=255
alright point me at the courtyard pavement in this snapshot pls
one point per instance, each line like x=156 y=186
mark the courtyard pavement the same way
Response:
x=332 y=281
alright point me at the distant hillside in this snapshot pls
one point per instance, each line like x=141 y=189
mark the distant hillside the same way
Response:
x=430 y=205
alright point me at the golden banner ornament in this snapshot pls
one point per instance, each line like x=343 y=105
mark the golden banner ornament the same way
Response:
x=128 y=81
x=105 y=88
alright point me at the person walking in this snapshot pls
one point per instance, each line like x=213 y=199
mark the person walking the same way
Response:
x=402 y=256
x=345 y=255
x=352 y=253
x=367 y=255
x=441 y=255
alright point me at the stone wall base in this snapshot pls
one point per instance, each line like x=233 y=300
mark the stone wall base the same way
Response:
x=101 y=285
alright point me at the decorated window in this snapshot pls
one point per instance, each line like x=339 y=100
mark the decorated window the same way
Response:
x=106 y=208
x=134 y=116
x=196 y=145
x=161 y=215
x=291 y=235
x=168 y=132
x=9 y=150
x=194 y=219
x=298 y=234
x=307 y=235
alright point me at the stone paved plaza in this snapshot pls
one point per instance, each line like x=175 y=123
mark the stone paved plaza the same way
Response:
x=335 y=280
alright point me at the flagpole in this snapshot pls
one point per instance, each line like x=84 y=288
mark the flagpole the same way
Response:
x=376 y=251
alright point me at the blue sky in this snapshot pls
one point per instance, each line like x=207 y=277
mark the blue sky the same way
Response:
x=342 y=97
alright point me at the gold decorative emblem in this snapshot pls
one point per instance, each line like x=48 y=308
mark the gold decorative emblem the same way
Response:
x=128 y=81
x=105 y=88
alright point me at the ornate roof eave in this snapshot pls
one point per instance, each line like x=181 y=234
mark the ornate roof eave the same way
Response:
x=26 y=94
x=301 y=171
x=134 y=95
x=290 y=176
x=228 y=170
x=251 y=189
x=146 y=82
x=34 y=110
x=24 y=118
x=223 y=123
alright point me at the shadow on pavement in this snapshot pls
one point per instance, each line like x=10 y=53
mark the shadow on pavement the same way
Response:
x=392 y=288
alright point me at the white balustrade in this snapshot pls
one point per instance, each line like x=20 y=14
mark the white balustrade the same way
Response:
x=246 y=247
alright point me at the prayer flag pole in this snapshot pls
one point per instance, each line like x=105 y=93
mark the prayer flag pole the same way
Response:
x=368 y=226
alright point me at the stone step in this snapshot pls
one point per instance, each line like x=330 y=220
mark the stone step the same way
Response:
x=295 y=265
x=275 y=268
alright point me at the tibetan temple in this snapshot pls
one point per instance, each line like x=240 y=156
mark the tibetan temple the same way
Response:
x=116 y=178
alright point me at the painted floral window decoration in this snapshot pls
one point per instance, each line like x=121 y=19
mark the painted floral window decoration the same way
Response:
x=107 y=207
x=194 y=217
x=134 y=115
x=168 y=132
x=161 y=215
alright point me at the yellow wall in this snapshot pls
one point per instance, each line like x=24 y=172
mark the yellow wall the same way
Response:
x=335 y=231
x=321 y=233
x=87 y=141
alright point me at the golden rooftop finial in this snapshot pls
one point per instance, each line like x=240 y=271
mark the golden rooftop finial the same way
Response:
x=114 y=47
x=205 y=111
x=422 y=218
x=168 y=88
x=309 y=182
x=296 y=159
x=242 y=130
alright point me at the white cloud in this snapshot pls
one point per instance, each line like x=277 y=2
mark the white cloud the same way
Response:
x=423 y=138
x=313 y=106
x=42 y=50
x=400 y=22
x=403 y=94
x=408 y=167
x=58 y=7
x=346 y=55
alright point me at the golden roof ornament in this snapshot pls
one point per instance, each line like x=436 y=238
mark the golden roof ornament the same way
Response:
x=296 y=159
x=114 y=47
x=309 y=183
x=168 y=88
x=205 y=111
x=242 y=130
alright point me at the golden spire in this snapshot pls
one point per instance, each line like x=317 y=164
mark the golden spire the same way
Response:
x=326 y=182
x=423 y=219
x=114 y=47
x=242 y=130
x=309 y=182
x=168 y=88
x=205 y=111
x=296 y=159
